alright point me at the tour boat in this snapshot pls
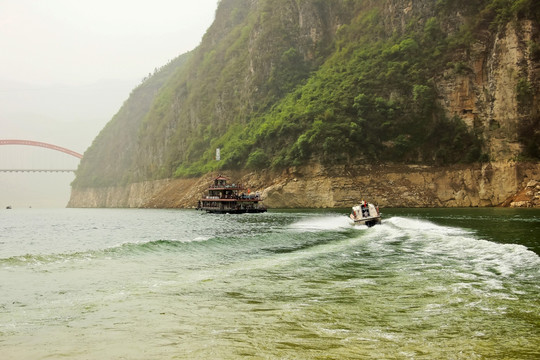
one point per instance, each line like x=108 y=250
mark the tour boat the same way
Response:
x=224 y=198
x=365 y=214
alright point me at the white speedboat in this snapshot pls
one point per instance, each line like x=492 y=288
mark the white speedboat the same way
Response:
x=365 y=214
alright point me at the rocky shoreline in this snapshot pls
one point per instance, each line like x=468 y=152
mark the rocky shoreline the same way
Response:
x=483 y=185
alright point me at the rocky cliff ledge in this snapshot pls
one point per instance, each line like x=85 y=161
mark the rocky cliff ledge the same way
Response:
x=315 y=186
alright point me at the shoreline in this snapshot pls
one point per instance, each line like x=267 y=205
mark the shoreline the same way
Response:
x=507 y=184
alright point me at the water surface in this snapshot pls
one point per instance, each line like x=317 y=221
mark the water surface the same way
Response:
x=304 y=284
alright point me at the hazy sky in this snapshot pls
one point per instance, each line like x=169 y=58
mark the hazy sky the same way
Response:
x=66 y=67
x=80 y=41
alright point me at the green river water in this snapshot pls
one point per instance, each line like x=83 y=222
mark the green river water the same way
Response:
x=287 y=284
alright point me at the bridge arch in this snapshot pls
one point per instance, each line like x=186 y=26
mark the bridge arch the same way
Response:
x=41 y=144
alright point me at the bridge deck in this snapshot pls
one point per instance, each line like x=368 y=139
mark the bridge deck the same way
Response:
x=37 y=170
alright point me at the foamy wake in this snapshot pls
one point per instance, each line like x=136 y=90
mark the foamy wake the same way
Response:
x=431 y=241
x=322 y=223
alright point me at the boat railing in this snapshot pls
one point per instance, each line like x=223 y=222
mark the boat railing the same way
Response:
x=232 y=186
x=234 y=197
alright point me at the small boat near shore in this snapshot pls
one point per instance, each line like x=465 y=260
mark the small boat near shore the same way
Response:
x=365 y=214
x=224 y=198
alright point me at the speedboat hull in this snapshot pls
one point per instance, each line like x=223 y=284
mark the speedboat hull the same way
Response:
x=368 y=221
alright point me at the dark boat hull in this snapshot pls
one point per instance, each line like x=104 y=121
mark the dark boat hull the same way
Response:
x=233 y=211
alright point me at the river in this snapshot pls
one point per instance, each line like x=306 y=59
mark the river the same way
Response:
x=287 y=284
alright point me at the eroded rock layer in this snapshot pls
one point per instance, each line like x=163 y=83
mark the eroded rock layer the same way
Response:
x=315 y=186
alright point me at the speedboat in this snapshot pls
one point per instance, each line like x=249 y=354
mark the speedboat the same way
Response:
x=365 y=214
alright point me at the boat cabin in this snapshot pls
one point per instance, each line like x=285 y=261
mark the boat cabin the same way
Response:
x=222 y=197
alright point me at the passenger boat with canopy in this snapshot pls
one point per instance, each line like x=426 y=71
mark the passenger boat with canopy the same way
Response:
x=224 y=198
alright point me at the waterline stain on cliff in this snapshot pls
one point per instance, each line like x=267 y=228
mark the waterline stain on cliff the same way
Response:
x=319 y=187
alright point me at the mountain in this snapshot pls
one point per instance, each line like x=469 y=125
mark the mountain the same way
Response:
x=282 y=83
x=112 y=156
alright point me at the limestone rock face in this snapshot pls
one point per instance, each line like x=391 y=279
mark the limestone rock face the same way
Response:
x=402 y=186
x=315 y=186
x=482 y=89
x=130 y=196
x=529 y=196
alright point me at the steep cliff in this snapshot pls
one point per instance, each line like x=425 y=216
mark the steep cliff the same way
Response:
x=111 y=158
x=495 y=89
x=281 y=84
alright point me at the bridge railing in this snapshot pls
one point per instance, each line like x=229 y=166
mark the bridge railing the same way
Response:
x=37 y=170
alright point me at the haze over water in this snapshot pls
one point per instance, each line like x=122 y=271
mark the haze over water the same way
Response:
x=164 y=284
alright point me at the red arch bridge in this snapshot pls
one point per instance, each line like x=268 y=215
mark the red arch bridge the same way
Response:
x=42 y=145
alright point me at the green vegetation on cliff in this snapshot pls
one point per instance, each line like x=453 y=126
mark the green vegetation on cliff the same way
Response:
x=277 y=83
x=110 y=159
